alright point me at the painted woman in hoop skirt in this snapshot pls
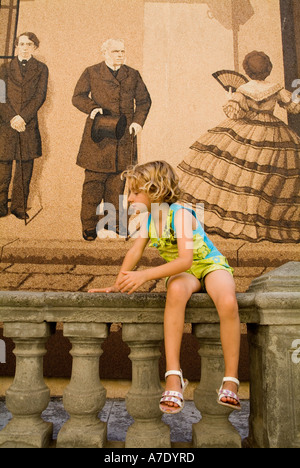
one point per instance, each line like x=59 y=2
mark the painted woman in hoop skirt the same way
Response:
x=246 y=170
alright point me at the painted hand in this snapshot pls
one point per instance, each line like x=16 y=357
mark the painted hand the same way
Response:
x=135 y=127
x=18 y=124
x=95 y=112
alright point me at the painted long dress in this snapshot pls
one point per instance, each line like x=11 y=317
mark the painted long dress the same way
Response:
x=246 y=170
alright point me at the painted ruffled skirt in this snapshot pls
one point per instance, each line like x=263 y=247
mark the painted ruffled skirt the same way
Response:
x=246 y=172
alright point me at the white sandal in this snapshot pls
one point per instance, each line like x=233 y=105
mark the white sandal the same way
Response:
x=223 y=393
x=175 y=397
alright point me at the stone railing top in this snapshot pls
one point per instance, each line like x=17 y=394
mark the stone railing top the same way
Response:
x=36 y=307
x=273 y=298
x=284 y=278
x=86 y=307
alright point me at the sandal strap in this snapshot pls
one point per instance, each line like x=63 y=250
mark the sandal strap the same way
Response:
x=228 y=393
x=174 y=394
x=176 y=372
x=178 y=402
x=231 y=379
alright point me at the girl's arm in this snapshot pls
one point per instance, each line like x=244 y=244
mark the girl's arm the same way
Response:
x=131 y=259
x=132 y=280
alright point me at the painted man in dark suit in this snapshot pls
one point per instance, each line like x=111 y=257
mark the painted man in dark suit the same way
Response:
x=26 y=81
x=119 y=89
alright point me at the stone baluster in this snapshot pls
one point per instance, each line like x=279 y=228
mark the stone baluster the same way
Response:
x=142 y=400
x=214 y=430
x=85 y=396
x=274 y=348
x=28 y=395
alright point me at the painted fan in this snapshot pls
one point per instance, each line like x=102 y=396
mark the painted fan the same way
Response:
x=230 y=79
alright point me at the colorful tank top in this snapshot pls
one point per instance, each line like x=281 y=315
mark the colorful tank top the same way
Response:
x=204 y=250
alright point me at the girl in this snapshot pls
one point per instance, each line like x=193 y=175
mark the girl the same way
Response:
x=193 y=264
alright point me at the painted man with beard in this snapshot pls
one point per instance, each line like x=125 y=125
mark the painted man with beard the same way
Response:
x=114 y=88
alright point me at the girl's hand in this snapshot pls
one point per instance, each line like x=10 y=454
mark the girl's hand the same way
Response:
x=111 y=289
x=132 y=280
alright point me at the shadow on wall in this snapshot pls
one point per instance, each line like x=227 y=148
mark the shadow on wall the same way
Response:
x=35 y=202
x=231 y=14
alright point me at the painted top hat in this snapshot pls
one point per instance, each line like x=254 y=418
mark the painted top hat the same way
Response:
x=108 y=126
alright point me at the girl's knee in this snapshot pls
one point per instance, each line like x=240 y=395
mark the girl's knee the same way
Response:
x=228 y=306
x=178 y=290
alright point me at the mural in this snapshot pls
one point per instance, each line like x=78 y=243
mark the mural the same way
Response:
x=171 y=46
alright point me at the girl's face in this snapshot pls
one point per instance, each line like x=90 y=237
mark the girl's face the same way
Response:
x=139 y=200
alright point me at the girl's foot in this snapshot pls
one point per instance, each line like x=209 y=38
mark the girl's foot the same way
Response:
x=227 y=395
x=172 y=401
x=173 y=383
x=233 y=387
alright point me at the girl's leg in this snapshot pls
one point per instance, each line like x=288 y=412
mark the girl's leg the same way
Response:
x=180 y=289
x=220 y=286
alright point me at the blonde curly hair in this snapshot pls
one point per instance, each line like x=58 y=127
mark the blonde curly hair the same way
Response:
x=157 y=179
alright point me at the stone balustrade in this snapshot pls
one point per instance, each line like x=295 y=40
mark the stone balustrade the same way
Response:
x=270 y=309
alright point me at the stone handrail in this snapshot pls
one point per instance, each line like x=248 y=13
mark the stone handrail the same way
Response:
x=270 y=309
